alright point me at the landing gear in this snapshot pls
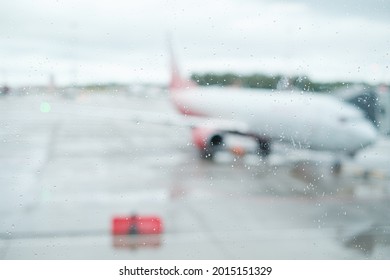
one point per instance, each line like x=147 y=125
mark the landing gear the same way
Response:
x=336 y=167
x=238 y=145
x=264 y=147
x=206 y=154
x=215 y=144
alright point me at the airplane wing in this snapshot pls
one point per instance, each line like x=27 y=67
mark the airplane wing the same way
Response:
x=158 y=118
x=209 y=135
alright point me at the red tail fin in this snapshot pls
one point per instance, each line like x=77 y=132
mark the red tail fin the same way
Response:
x=177 y=82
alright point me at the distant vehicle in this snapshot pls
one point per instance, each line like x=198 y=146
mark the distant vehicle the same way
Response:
x=312 y=121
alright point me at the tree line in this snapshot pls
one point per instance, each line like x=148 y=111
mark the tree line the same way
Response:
x=265 y=81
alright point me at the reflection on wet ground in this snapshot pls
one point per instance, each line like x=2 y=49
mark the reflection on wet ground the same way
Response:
x=66 y=173
x=140 y=242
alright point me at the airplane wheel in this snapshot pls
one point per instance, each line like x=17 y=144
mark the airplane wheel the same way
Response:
x=206 y=154
x=264 y=148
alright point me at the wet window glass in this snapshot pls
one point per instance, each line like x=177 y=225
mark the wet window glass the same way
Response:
x=194 y=130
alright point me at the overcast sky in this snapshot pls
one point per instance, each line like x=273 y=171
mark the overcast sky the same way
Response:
x=125 y=41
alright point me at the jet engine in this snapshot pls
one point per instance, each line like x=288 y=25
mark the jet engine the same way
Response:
x=207 y=140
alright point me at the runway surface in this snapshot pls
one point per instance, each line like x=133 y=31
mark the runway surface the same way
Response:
x=69 y=163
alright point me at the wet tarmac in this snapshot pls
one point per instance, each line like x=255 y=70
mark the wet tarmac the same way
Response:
x=70 y=163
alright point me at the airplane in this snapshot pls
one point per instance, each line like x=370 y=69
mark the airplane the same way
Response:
x=312 y=121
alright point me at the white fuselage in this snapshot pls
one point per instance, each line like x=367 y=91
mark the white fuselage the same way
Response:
x=313 y=121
